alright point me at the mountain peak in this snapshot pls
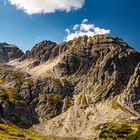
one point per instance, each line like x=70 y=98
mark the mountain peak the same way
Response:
x=9 y=52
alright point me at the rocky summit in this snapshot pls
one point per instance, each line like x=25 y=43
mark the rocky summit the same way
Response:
x=88 y=87
x=9 y=52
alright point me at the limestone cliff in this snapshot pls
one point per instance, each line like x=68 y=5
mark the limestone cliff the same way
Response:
x=70 y=89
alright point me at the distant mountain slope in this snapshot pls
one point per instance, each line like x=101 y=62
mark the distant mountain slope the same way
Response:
x=9 y=52
x=72 y=88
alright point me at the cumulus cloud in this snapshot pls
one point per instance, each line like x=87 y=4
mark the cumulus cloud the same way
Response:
x=85 y=29
x=47 y=6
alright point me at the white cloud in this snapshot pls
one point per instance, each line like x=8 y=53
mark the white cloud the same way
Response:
x=85 y=20
x=47 y=6
x=75 y=27
x=67 y=30
x=85 y=29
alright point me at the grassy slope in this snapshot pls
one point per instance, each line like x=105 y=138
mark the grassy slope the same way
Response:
x=121 y=131
x=12 y=132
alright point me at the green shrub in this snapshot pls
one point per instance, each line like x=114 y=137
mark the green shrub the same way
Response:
x=8 y=94
x=65 y=81
x=17 y=74
x=115 y=104
x=53 y=99
x=102 y=87
x=56 y=81
x=28 y=80
x=84 y=100
x=121 y=131
x=67 y=101
x=73 y=49
x=1 y=81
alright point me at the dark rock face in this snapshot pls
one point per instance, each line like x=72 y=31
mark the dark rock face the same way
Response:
x=131 y=95
x=101 y=67
x=9 y=52
x=14 y=107
x=41 y=52
x=103 y=62
x=44 y=51
x=19 y=113
x=28 y=99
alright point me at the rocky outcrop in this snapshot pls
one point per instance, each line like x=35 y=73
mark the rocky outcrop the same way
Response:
x=9 y=52
x=42 y=52
x=40 y=98
x=131 y=95
x=103 y=63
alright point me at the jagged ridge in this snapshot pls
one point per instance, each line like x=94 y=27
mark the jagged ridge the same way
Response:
x=93 y=73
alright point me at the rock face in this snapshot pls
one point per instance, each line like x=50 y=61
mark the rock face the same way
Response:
x=96 y=81
x=131 y=95
x=104 y=64
x=42 y=52
x=9 y=52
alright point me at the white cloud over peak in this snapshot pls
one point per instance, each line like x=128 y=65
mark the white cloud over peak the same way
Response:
x=85 y=29
x=47 y=6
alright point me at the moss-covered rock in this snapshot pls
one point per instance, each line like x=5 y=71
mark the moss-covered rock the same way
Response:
x=119 y=131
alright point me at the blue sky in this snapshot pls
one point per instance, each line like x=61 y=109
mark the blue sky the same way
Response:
x=18 y=27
